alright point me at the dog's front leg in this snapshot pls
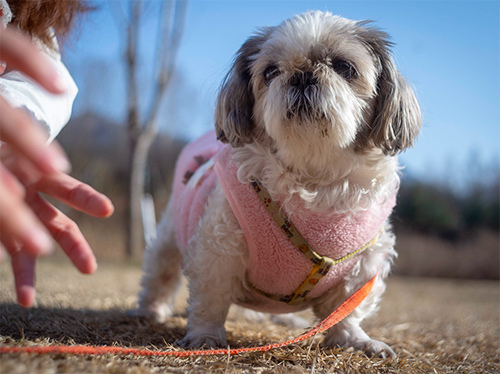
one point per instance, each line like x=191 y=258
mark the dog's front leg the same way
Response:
x=207 y=314
x=214 y=263
x=348 y=332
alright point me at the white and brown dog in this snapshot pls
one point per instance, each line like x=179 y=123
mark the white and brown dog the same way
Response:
x=313 y=112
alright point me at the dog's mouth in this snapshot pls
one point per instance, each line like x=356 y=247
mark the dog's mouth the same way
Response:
x=303 y=97
x=303 y=106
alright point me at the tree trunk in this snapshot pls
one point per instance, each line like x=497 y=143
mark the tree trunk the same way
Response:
x=137 y=182
x=141 y=137
x=134 y=225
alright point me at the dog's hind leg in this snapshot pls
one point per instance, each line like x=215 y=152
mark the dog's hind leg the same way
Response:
x=162 y=271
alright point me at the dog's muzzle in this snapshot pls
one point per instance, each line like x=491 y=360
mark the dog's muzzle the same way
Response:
x=303 y=80
x=303 y=88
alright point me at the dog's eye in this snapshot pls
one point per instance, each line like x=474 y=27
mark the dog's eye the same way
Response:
x=345 y=69
x=270 y=73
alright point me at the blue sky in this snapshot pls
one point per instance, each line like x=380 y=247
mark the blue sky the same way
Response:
x=448 y=50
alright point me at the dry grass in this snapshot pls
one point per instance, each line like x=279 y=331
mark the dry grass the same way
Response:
x=436 y=326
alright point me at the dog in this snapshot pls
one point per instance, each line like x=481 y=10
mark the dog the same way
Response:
x=312 y=114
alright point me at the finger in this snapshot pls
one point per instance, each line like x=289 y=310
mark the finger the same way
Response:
x=65 y=232
x=19 y=224
x=17 y=129
x=20 y=54
x=11 y=183
x=23 y=267
x=22 y=168
x=76 y=194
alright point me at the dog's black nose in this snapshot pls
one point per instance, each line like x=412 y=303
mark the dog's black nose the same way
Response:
x=303 y=80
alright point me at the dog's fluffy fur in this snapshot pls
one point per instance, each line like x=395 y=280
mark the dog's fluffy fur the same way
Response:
x=315 y=108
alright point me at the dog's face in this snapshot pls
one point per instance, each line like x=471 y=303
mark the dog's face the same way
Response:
x=321 y=80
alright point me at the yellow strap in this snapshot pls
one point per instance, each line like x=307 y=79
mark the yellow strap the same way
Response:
x=360 y=250
x=321 y=264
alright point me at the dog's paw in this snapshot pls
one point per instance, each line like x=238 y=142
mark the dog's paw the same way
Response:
x=158 y=313
x=371 y=347
x=376 y=348
x=215 y=338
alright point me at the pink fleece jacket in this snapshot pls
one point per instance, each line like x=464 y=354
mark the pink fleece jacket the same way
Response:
x=275 y=266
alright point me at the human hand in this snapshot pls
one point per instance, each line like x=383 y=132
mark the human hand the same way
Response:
x=62 y=229
x=29 y=166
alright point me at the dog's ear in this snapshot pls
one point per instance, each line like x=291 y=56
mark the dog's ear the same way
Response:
x=234 y=112
x=396 y=119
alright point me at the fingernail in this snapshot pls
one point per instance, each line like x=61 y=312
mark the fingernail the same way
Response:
x=45 y=243
x=93 y=267
x=56 y=161
x=85 y=262
x=61 y=163
x=37 y=242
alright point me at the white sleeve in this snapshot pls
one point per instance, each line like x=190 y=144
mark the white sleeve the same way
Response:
x=52 y=111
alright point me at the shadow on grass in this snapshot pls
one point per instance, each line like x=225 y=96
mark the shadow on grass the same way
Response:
x=84 y=326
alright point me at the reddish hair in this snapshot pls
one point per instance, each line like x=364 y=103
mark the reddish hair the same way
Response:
x=42 y=19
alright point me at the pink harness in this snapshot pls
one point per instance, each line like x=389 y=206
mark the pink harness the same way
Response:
x=275 y=266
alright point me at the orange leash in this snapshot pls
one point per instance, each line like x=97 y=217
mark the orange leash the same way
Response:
x=336 y=316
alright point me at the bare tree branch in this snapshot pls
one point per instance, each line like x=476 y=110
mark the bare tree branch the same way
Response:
x=131 y=56
x=170 y=31
x=178 y=29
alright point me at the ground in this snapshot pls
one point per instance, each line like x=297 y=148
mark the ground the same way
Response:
x=435 y=326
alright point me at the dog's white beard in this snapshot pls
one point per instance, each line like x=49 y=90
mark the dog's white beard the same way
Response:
x=350 y=183
x=331 y=118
